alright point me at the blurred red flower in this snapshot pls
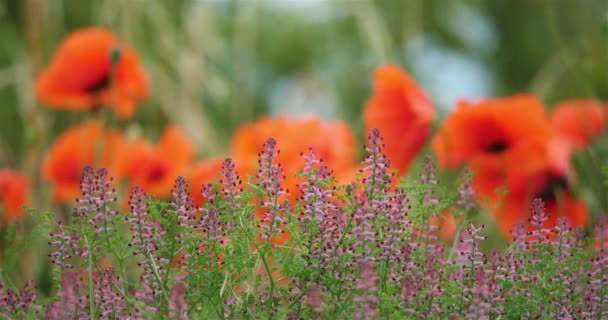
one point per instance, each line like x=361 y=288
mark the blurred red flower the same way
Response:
x=508 y=133
x=402 y=112
x=14 y=193
x=85 y=144
x=579 y=121
x=554 y=190
x=154 y=167
x=334 y=142
x=509 y=143
x=209 y=171
x=91 y=68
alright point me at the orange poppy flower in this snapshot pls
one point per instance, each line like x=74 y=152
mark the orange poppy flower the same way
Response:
x=553 y=190
x=84 y=144
x=579 y=121
x=334 y=142
x=447 y=224
x=503 y=131
x=501 y=140
x=210 y=171
x=402 y=112
x=82 y=74
x=155 y=167
x=14 y=188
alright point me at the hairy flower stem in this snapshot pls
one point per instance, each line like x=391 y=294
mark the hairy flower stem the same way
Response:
x=385 y=273
x=123 y=271
x=150 y=258
x=271 y=280
x=454 y=243
x=120 y=261
x=91 y=284
x=165 y=281
x=157 y=276
x=601 y=293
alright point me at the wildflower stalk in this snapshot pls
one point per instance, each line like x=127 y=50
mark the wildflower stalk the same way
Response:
x=152 y=261
x=272 y=284
x=91 y=283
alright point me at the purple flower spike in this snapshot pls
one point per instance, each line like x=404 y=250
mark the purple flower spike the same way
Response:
x=182 y=202
x=539 y=233
x=376 y=171
x=96 y=200
x=428 y=177
x=178 y=307
x=62 y=256
x=270 y=175
x=367 y=299
x=231 y=184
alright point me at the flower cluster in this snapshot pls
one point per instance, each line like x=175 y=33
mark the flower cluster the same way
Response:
x=353 y=251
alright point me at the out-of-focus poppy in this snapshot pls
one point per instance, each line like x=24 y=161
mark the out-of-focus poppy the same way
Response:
x=447 y=224
x=91 y=68
x=154 y=167
x=559 y=201
x=203 y=172
x=334 y=142
x=14 y=193
x=500 y=139
x=579 y=121
x=510 y=133
x=210 y=171
x=510 y=143
x=84 y=144
x=402 y=112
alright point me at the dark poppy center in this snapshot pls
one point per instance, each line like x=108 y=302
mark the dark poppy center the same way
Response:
x=157 y=173
x=99 y=85
x=497 y=146
x=553 y=185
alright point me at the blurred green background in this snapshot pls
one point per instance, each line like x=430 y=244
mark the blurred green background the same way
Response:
x=214 y=64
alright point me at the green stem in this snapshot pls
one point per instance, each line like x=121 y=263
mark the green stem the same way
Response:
x=91 y=284
x=157 y=276
x=454 y=243
x=123 y=271
x=271 y=290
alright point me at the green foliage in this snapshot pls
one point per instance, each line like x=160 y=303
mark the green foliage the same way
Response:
x=240 y=276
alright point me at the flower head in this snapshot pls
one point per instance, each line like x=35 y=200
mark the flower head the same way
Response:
x=333 y=142
x=403 y=113
x=85 y=144
x=504 y=133
x=14 y=193
x=579 y=121
x=555 y=191
x=209 y=171
x=91 y=68
x=154 y=167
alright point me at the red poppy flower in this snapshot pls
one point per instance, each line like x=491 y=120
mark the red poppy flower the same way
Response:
x=447 y=224
x=84 y=144
x=209 y=171
x=509 y=133
x=579 y=121
x=92 y=67
x=334 y=142
x=501 y=140
x=402 y=112
x=553 y=189
x=14 y=188
x=155 y=167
